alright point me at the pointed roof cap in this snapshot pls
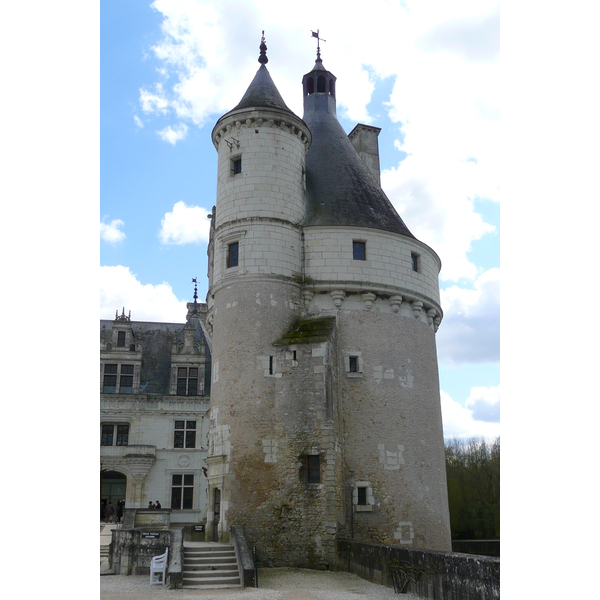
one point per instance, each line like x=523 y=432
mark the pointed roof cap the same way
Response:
x=262 y=92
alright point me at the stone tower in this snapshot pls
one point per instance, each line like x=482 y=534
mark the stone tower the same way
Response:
x=325 y=415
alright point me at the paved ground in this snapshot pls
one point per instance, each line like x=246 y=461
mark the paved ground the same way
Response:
x=275 y=584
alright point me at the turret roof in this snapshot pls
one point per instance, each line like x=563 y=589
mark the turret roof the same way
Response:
x=341 y=190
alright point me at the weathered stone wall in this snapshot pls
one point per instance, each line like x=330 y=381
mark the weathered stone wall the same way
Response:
x=393 y=428
x=434 y=575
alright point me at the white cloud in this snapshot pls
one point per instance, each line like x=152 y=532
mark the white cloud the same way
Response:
x=466 y=422
x=470 y=329
x=484 y=403
x=173 y=135
x=120 y=289
x=138 y=121
x=185 y=225
x=110 y=232
x=442 y=56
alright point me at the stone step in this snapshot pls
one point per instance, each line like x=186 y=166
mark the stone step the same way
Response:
x=231 y=574
x=206 y=560
x=205 y=582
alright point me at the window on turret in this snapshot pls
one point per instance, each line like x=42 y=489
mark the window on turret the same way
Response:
x=359 y=250
x=321 y=83
x=415 y=261
x=310 y=86
x=232 y=255
x=332 y=87
x=236 y=165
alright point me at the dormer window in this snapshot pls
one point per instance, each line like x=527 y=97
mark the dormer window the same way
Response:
x=121 y=339
x=187 y=381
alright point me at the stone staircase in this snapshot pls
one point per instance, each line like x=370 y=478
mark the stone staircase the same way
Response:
x=210 y=565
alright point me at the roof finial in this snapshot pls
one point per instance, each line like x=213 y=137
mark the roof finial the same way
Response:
x=195 y=282
x=319 y=40
x=262 y=59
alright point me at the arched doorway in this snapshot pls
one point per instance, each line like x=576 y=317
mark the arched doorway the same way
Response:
x=114 y=486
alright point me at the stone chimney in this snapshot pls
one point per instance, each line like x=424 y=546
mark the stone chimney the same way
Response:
x=364 y=140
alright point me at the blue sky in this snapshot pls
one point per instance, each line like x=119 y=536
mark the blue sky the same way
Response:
x=428 y=78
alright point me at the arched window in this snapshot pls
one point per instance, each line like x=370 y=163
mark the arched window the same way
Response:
x=311 y=86
x=332 y=87
x=321 y=84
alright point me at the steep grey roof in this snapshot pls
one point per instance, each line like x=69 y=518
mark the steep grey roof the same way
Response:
x=262 y=93
x=341 y=190
x=156 y=340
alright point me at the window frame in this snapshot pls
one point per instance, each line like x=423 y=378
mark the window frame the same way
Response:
x=415 y=260
x=229 y=260
x=236 y=165
x=188 y=434
x=359 y=245
x=186 y=500
x=116 y=437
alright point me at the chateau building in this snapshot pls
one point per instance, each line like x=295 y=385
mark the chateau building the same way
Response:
x=324 y=419
x=154 y=397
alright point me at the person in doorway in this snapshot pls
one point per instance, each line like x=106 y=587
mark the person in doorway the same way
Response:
x=110 y=512
x=157 y=505
x=120 y=507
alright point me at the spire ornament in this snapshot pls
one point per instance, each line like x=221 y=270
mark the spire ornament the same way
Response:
x=195 y=282
x=262 y=59
x=319 y=40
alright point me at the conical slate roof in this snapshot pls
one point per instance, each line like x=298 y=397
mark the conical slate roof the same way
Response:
x=262 y=93
x=341 y=190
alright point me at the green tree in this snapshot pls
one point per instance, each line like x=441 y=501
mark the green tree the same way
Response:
x=473 y=474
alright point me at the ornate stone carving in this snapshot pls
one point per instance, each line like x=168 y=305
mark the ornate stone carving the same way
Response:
x=431 y=315
x=307 y=296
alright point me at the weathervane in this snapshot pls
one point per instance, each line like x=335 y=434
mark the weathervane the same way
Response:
x=319 y=40
x=195 y=282
x=262 y=59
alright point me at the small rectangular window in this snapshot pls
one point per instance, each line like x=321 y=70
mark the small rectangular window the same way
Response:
x=353 y=364
x=109 y=384
x=359 y=250
x=185 y=434
x=122 y=435
x=232 y=255
x=121 y=339
x=313 y=469
x=236 y=165
x=107 y=435
x=126 y=384
x=271 y=365
x=362 y=496
x=415 y=261
x=126 y=369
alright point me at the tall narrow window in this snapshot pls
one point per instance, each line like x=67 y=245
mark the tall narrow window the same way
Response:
x=313 y=469
x=232 y=255
x=415 y=261
x=107 y=435
x=122 y=435
x=362 y=495
x=121 y=339
x=182 y=491
x=353 y=364
x=236 y=165
x=126 y=382
x=271 y=360
x=359 y=250
x=185 y=434
x=109 y=385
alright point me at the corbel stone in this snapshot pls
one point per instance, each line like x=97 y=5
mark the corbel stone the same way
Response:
x=431 y=315
x=417 y=308
x=259 y=122
x=248 y=123
x=338 y=297
x=436 y=324
x=307 y=296
x=368 y=298
x=395 y=302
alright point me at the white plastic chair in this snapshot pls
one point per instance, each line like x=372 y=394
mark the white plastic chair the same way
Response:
x=158 y=566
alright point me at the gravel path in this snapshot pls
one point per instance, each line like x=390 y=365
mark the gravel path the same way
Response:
x=275 y=584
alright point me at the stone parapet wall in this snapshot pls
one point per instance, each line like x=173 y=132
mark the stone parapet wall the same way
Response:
x=329 y=262
x=432 y=575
